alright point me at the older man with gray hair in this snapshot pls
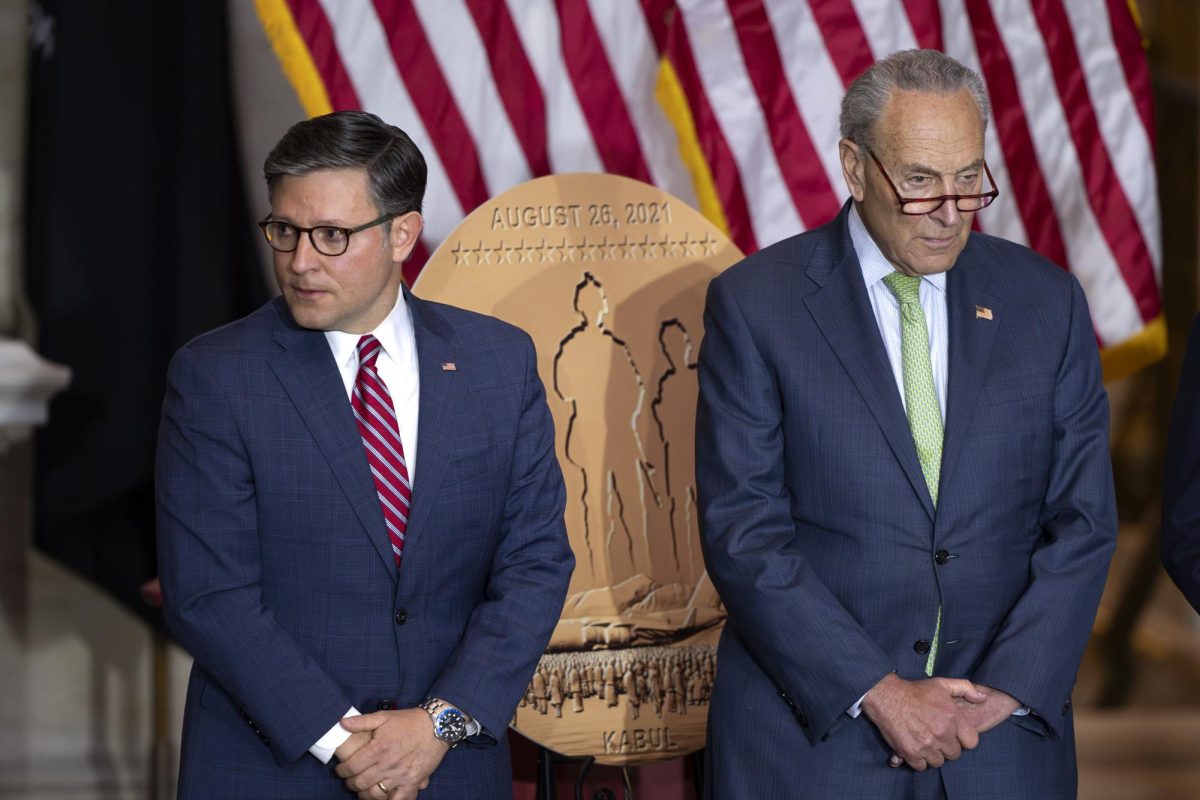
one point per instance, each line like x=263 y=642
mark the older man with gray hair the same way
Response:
x=905 y=490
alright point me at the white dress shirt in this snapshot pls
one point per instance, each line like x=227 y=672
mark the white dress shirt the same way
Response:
x=875 y=267
x=397 y=368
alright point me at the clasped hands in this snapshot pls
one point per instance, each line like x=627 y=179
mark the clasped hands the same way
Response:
x=930 y=722
x=390 y=754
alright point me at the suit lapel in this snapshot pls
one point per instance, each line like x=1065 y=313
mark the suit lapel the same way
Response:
x=970 y=348
x=308 y=374
x=442 y=410
x=843 y=312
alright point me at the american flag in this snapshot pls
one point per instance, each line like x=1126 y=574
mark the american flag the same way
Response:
x=732 y=106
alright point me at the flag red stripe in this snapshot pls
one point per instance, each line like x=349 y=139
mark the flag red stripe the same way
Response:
x=314 y=28
x=1128 y=40
x=660 y=14
x=925 y=17
x=712 y=141
x=800 y=166
x=416 y=262
x=433 y=100
x=1115 y=216
x=845 y=40
x=1012 y=129
x=515 y=79
x=599 y=94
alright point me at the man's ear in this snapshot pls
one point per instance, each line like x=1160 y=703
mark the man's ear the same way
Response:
x=406 y=230
x=854 y=166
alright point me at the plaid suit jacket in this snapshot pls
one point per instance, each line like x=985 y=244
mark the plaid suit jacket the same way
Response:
x=275 y=563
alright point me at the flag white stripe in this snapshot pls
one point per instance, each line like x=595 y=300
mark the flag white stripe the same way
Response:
x=631 y=52
x=569 y=143
x=1002 y=218
x=462 y=56
x=886 y=25
x=812 y=78
x=734 y=102
x=815 y=83
x=1125 y=137
x=1114 y=311
x=367 y=57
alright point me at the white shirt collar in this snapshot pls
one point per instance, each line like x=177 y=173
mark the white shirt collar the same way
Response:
x=395 y=334
x=875 y=265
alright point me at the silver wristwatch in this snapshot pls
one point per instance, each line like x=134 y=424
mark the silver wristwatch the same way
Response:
x=449 y=723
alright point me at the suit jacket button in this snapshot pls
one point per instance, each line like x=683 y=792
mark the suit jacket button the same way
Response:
x=384 y=705
x=942 y=557
x=401 y=616
x=921 y=646
x=1066 y=707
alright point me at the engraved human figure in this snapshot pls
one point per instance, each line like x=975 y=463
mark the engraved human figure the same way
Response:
x=674 y=413
x=631 y=693
x=556 y=692
x=575 y=688
x=540 y=694
x=610 y=684
x=596 y=376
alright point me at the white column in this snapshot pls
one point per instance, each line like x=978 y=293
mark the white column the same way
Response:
x=27 y=382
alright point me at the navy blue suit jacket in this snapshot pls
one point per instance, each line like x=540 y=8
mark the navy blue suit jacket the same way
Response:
x=1181 y=478
x=821 y=537
x=276 y=568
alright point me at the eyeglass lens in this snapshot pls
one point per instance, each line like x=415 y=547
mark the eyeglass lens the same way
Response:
x=327 y=239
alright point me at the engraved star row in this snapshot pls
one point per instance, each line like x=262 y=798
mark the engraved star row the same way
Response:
x=584 y=250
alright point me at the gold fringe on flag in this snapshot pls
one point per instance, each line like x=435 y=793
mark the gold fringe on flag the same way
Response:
x=674 y=104
x=293 y=54
x=1140 y=350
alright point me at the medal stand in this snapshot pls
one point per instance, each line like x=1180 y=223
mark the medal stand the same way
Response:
x=547 y=788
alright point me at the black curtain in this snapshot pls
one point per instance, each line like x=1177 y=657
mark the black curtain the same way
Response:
x=137 y=239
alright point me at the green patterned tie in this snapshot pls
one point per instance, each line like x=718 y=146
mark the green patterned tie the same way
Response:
x=920 y=398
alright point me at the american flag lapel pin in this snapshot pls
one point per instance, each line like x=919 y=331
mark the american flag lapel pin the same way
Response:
x=448 y=366
x=982 y=313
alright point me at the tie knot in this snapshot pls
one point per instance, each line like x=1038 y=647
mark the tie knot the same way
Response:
x=907 y=288
x=368 y=350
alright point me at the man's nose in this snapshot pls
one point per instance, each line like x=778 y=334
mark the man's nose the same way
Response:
x=305 y=257
x=947 y=213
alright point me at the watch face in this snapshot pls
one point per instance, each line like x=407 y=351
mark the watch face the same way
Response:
x=451 y=725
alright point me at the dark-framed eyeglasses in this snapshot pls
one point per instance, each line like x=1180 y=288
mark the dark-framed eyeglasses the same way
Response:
x=919 y=206
x=328 y=240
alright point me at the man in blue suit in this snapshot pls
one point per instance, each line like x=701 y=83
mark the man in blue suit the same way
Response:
x=308 y=565
x=904 y=480
x=1181 y=478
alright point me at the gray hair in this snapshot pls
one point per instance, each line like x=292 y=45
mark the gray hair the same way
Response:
x=396 y=170
x=929 y=71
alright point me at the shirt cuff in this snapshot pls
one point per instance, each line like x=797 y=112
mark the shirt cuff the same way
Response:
x=334 y=738
x=856 y=709
x=1023 y=711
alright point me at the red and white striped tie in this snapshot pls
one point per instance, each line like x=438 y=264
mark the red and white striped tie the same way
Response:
x=380 y=430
